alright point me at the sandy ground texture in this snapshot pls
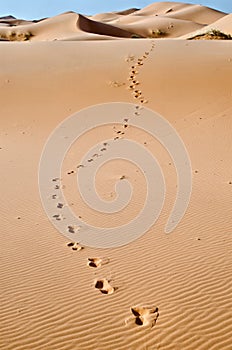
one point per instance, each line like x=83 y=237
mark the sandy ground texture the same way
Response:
x=161 y=291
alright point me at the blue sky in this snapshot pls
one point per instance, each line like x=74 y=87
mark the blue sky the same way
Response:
x=29 y=9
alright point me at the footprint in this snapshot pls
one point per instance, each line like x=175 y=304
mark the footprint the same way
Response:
x=130 y=58
x=97 y=262
x=73 y=228
x=58 y=217
x=135 y=82
x=70 y=172
x=80 y=166
x=143 y=101
x=60 y=205
x=59 y=187
x=143 y=316
x=133 y=71
x=55 y=179
x=75 y=246
x=104 y=286
x=96 y=155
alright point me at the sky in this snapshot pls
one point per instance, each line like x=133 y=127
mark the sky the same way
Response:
x=29 y=9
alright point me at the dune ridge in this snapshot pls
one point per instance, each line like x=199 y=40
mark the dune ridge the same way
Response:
x=159 y=20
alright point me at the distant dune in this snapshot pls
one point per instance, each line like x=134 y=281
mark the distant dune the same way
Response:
x=158 y=20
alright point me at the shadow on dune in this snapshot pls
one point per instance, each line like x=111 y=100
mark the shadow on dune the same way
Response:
x=90 y=26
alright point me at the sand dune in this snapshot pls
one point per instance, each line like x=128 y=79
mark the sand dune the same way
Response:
x=156 y=26
x=173 y=19
x=108 y=16
x=89 y=26
x=162 y=291
x=158 y=20
x=11 y=21
x=196 y=13
x=66 y=25
x=161 y=8
x=223 y=24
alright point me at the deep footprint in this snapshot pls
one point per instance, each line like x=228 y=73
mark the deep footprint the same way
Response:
x=75 y=246
x=143 y=316
x=138 y=321
x=97 y=262
x=104 y=286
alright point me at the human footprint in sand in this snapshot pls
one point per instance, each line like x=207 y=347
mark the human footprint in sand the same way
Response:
x=104 y=286
x=143 y=316
x=75 y=246
x=97 y=262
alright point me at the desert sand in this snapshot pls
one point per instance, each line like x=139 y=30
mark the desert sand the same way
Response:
x=161 y=291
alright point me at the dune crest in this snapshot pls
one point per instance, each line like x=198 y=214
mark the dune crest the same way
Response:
x=158 y=20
